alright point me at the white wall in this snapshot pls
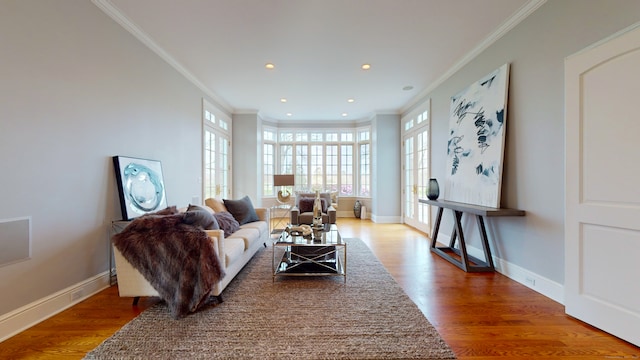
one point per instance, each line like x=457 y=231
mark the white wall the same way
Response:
x=533 y=177
x=76 y=89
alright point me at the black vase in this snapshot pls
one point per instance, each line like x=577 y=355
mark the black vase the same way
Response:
x=357 y=209
x=434 y=190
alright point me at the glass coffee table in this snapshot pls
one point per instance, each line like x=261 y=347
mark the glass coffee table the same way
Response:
x=322 y=255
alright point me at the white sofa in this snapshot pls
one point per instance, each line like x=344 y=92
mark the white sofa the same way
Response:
x=234 y=252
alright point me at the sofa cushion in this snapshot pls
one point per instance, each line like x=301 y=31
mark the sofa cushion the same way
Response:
x=242 y=210
x=261 y=226
x=233 y=250
x=248 y=236
x=215 y=204
x=199 y=216
x=227 y=222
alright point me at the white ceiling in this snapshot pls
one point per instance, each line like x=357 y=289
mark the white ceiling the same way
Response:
x=318 y=47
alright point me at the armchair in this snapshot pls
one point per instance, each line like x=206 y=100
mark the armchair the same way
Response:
x=302 y=210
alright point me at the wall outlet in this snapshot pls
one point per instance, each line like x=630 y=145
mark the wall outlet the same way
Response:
x=76 y=295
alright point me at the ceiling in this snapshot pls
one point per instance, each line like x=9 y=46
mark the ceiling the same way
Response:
x=318 y=48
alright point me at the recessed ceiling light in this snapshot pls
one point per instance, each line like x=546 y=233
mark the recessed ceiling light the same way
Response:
x=289 y=114
x=283 y=100
x=269 y=66
x=350 y=100
x=407 y=88
x=344 y=114
x=366 y=66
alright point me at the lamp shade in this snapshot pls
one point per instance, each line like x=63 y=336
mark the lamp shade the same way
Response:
x=283 y=180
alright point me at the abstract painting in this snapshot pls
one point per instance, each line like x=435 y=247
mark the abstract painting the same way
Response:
x=476 y=141
x=140 y=185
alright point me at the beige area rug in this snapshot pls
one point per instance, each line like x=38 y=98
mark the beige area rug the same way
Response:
x=368 y=317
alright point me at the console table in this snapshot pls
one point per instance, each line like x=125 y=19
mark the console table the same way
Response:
x=463 y=260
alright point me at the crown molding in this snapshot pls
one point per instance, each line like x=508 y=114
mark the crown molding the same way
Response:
x=522 y=13
x=114 y=13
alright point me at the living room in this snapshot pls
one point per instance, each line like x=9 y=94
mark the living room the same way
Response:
x=78 y=88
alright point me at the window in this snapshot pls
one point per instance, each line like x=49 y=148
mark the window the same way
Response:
x=365 y=163
x=331 y=168
x=268 y=169
x=216 y=169
x=331 y=160
x=346 y=170
x=317 y=168
x=302 y=165
x=365 y=170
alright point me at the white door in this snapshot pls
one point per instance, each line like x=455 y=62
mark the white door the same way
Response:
x=416 y=169
x=602 y=229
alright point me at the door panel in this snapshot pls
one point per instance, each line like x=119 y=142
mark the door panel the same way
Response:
x=602 y=231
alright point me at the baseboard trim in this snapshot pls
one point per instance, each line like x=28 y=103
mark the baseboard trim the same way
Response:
x=29 y=315
x=386 y=219
x=535 y=282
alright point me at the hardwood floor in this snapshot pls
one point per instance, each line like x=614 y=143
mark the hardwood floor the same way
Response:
x=481 y=316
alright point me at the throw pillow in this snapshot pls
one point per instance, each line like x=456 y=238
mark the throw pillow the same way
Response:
x=215 y=204
x=306 y=205
x=227 y=223
x=198 y=216
x=200 y=207
x=242 y=210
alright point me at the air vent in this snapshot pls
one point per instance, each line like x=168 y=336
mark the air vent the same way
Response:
x=15 y=240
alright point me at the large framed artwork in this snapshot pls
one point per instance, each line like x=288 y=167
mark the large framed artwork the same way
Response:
x=140 y=185
x=476 y=141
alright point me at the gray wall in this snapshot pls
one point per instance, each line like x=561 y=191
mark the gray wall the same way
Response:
x=246 y=147
x=533 y=177
x=75 y=90
x=386 y=170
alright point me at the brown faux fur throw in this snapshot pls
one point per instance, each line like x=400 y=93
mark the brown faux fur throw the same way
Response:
x=177 y=259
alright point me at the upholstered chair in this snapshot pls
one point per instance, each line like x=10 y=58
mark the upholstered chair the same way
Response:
x=302 y=210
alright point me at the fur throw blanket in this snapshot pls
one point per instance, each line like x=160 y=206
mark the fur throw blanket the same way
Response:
x=177 y=259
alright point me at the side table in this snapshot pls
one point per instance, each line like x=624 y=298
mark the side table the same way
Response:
x=282 y=213
x=116 y=227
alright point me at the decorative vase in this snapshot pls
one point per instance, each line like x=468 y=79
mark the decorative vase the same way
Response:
x=357 y=209
x=317 y=211
x=434 y=190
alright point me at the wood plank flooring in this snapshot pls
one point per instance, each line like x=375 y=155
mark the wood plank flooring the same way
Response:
x=481 y=316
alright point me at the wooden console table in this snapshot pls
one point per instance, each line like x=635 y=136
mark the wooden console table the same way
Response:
x=465 y=261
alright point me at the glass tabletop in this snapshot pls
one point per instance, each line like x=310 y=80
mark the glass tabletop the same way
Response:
x=327 y=235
